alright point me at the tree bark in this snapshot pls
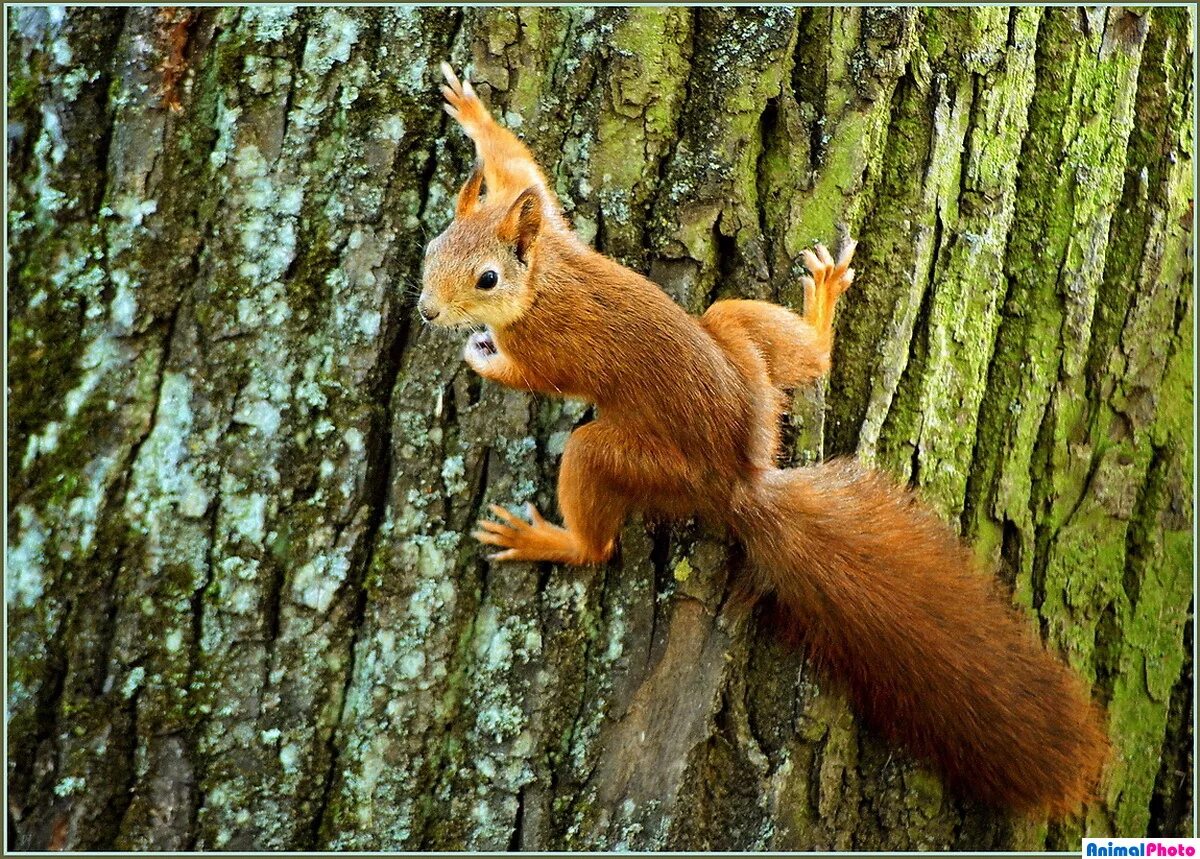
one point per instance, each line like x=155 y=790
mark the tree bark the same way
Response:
x=244 y=611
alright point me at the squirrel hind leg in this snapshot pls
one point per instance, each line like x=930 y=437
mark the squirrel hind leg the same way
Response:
x=795 y=352
x=796 y=347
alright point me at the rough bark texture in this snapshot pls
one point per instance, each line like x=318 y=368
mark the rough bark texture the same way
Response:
x=242 y=609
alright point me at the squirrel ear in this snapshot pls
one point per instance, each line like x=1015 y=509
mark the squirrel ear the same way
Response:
x=468 y=197
x=523 y=221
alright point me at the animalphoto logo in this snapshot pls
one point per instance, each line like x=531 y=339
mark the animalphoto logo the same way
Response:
x=1139 y=847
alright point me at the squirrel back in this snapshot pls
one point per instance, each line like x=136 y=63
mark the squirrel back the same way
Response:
x=596 y=330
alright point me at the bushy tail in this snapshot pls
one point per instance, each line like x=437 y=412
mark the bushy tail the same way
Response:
x=892 y=604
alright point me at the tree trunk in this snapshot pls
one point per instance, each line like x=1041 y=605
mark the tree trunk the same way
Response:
x=244 y=611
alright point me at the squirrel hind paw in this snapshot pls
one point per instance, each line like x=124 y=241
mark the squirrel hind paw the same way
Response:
x=462 y=102
x=827 y=274
x=450 y=76
x=454 y=87
x=847 y=253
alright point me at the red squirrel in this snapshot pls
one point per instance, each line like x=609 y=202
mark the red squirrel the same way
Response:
x=888 y=599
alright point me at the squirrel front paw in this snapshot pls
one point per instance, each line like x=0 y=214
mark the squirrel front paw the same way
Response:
x=480 y=351
x=484 y=357
x=829 y=280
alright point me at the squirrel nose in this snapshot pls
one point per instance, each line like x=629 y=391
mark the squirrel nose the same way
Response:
x=426 y=313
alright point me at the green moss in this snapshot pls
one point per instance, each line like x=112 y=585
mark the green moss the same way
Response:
x=642 y=100
x=1060 y=446
x=851 y=129
x=966 y=208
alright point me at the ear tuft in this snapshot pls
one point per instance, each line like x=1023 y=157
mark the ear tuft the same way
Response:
x=523 y=222
x=468 y=197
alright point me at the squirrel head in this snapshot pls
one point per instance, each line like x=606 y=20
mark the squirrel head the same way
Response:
x=477 y=272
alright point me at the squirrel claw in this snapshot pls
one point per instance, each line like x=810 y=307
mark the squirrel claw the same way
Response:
x=502 y=513
x=457 y=88
x=847 y=252
x=534 y=516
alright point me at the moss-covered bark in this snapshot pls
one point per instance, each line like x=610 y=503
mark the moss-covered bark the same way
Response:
x=243 y=612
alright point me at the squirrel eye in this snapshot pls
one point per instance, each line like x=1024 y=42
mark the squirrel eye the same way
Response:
x=487 y=280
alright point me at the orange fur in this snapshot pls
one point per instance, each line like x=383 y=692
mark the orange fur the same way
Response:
x=888 y=599
x=894 y=605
